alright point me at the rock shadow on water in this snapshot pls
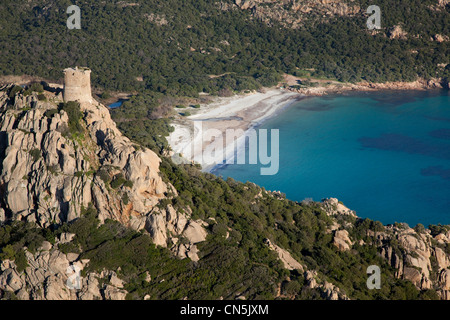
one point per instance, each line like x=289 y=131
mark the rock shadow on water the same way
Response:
x=436 y=171
x=393 y=100
x=316 y=107
x=441 y=134
x=402 y=143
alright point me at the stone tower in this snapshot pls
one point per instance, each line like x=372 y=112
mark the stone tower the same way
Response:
x=77 y=85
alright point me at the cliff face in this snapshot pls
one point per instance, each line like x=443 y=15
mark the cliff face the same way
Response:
x=49 y=174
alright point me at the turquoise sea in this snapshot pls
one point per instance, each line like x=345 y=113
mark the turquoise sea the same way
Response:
x=386 y=155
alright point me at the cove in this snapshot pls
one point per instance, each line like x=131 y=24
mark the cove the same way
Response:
x=384 y=154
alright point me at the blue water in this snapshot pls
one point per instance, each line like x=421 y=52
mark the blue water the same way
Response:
x=386 y=155
x=116 y=104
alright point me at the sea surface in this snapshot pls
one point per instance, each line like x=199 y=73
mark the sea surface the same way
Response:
x=385 y=155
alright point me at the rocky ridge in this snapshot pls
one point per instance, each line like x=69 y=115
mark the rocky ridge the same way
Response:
x=322 y=87
x=417 y=255
x=49 y=176
x=293 y=13
x=49 y=277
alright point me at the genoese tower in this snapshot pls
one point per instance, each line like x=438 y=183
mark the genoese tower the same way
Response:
x=77 y=85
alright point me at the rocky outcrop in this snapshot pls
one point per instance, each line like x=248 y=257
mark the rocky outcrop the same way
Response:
x=288 y=261
x=440 y=38
x=328 y=290
x=48 y=175
x=397 y=33
x=417 y=256
x=293 y=13
x=333 y=206
x=342 y=240
x=53 y=275
x=177 y=229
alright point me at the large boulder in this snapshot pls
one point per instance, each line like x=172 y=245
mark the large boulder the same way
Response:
x=342 y=240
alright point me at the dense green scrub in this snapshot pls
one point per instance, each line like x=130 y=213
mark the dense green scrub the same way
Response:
x=234 y=259
x=119 y=44
x=197 y=39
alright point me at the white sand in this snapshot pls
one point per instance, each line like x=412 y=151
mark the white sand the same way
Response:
x=237 y=112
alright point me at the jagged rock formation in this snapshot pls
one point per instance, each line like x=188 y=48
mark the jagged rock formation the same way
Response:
x=417 y=256
x=48 y=176
x=169 y=225
x=397 y=32
x=47 y=275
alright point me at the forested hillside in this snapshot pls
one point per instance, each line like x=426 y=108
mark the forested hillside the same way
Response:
x=169 y=50
x=173 y=47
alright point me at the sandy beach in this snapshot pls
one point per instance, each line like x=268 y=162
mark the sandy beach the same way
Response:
x=245 y=111
x=239 y=112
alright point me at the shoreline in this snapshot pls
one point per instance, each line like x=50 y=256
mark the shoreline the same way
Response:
x=248 y=111
x=327 y=87
x=240 y=112
x=240 y=143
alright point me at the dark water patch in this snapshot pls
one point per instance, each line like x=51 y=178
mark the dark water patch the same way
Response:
x=391 y=99
x=402 y=143
x=441 y=134
x=438 y=118
x=388 y=99
x=316 y=107
x=436 y=171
